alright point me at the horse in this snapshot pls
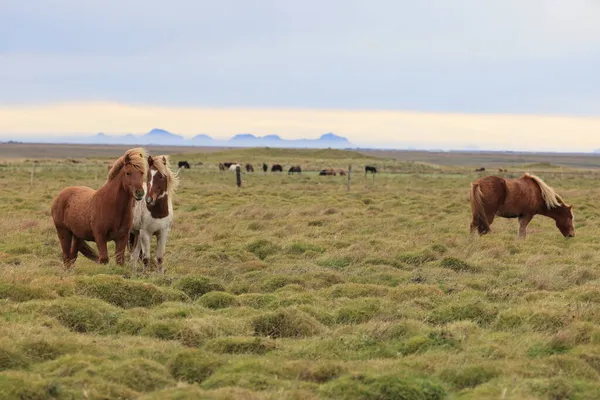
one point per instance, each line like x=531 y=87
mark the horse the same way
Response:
x=83 y=214
x=295 y=169
x=249 y=168
x=480 y=169
x=265 y=167
x=502 y=170
x=327 y=171
x=228 y=164
x=183 y=164
x=371 y=169
x=233 y=167
x=221 y=167
x=276 y=168
x=520 y=198
x=342 y=172
x=154 y=217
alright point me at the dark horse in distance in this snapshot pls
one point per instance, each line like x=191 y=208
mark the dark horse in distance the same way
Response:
x=183 y=164
x=295 y=169
x=276 y=168
x=520 y=198
x=371 y=169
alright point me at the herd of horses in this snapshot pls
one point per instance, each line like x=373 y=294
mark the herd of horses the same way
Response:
x=135 y=204
x=294 y=169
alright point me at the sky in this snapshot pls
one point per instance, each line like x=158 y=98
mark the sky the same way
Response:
x=431 y=72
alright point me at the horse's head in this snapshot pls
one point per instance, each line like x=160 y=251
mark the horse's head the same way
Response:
x=563 y=216
x=158 y=179
x=133 y=176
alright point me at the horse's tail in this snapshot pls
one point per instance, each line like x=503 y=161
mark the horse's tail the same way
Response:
x=87 y=251
x=478 y=210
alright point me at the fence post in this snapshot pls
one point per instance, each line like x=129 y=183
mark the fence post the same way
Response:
x=238 y=176
x=32 y=174
x=349 y=173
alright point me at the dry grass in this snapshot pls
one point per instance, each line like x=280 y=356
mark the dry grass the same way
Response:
x=292 y=287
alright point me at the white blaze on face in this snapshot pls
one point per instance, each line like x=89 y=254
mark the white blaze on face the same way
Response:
x=152 y=175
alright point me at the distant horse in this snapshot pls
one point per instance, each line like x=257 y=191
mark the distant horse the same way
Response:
x=233 y=167
x=83 y=214
x=295 y=169
x=276 y=168
x=183 y=164
x=371 y=169
x=228 y=164
x=221 y=167
x=502 y=170
x=520 y=198
x=265 y=167
x=327 y=171
x=249 y=168
x=154 y=217
x=480 y=169
x=342 y=172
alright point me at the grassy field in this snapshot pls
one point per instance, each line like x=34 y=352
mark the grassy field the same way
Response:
x=294 y=288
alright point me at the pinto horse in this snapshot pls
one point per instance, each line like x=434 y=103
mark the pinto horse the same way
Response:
x=520 y=198
x=155 y=215
x=83 y=214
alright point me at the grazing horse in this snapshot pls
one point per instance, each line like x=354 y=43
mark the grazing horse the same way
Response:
x=502 y=170
x=327 y=171
x=342 y=172
x=83 y=214
x=249 y=168
x=480 y=169
x=276 y=168
x=154 y=217
x=183 y=164
x=295 y=169
x=520 y=198
x=371 y=169
x=265 y=167
x=233 y=167
x=228 y=164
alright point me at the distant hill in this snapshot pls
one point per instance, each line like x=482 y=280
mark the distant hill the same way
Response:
x=163 y=137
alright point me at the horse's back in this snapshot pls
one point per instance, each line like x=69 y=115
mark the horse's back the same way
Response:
x=523 y=195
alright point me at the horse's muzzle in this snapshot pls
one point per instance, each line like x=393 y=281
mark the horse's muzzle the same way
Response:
x=139 y=194
x=149 y=200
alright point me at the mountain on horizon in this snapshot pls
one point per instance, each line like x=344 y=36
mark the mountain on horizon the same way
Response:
x=158 y=136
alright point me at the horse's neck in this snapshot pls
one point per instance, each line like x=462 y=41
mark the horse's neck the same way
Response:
x=113 y=196
x=162 y=208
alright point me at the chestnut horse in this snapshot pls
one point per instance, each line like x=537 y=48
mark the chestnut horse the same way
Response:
x=520 y=198
x=83 y=214
x=155 y=215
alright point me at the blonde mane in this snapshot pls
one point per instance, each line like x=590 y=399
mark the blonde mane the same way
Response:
x=551 y=198
x=136 y=158
x=164 y=167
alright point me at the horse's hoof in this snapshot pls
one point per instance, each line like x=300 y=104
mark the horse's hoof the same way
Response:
x=103 y=260
x=159 y=261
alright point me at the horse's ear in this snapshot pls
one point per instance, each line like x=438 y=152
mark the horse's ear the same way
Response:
x=127 y=159
x=150 y=161
x=164 y=160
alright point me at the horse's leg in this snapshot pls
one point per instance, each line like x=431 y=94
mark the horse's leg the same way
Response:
x=136 y=252
x=523 y=222
x=65 y=236
x=74 y=249
x=162 y=237
x=102 y=248
x=145 y=242
x=120 y=247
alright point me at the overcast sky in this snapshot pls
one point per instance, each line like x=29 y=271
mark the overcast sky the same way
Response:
x=534 y=57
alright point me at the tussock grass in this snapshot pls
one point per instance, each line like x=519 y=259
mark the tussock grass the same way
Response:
x=292 y=287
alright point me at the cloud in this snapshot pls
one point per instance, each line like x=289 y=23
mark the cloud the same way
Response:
x=363 y=127
x=464 y=55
